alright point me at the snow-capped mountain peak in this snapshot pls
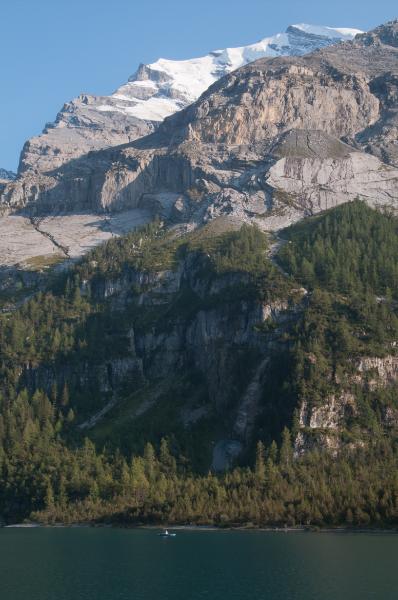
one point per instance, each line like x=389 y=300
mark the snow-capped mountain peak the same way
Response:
x=165 y=86
x=154 y=92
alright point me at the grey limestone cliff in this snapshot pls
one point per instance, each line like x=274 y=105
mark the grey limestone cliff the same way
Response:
x=274 y=141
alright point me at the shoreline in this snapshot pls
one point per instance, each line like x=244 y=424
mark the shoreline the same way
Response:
x=205 y=528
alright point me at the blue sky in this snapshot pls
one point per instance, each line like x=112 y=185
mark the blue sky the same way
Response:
x=52 y=50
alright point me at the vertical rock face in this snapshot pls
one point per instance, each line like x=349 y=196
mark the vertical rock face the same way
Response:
x=263 y=100
x=329 y=174
x=154 y=92
x=79 y=128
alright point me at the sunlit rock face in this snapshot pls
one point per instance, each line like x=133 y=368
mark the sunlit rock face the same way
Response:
x=276 y=140
x=154 y=92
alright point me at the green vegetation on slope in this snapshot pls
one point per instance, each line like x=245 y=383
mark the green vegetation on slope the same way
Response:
x=347 y=259
x=68 y=336
x=352 y=249
x=40 y=473
x=75 y=322
x=150 y=248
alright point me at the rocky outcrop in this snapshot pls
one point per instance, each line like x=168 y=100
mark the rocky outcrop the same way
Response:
x=322 y=425
x=378 y=372
x=330 y=415
x=79 y=128
x=386 y=369
x=263 y=100
x=332 y=178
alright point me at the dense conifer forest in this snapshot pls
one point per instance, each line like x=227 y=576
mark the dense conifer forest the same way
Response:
x=346 y=260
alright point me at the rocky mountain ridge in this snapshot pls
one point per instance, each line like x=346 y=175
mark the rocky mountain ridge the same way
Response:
x=274 y=141
x=155 y=91
x=7 y=175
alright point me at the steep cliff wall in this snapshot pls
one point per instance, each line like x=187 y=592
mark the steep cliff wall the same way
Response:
x=224 y=153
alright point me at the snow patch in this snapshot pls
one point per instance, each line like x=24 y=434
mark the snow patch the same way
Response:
x=339 y=33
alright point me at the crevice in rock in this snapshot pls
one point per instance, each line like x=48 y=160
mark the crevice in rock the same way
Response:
x=36 y=223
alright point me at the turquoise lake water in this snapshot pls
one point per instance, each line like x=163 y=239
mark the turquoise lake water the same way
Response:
x=122 y=564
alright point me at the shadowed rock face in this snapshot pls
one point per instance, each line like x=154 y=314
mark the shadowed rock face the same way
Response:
x=79 y=129
x=387 y=35
x=272 y=142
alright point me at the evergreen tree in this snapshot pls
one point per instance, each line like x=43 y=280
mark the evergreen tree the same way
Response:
x=260 y=463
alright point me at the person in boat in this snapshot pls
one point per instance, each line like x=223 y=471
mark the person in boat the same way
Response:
x=166 y=533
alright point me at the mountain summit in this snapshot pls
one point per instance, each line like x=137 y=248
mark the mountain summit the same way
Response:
x=154 y=92
x=7 y=175
x=157 y=90
x=274 y=140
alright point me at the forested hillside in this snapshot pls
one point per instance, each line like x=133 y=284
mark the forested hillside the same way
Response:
x=352 y=249
x=347 y=259
x=122 y=382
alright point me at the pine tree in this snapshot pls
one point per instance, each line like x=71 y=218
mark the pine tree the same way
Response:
x=65 y=396
x=149 y=460
x=49 y=499
x=273 y=452
x=286 y=451
x=260 y=463
x=165 y=457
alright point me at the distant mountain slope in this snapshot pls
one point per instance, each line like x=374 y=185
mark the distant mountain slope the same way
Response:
x=154 y=92
x=7 y=175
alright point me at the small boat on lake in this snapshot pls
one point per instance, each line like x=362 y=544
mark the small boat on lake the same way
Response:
x=167 y=534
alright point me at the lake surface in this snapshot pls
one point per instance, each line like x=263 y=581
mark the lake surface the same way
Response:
x=117 y=564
